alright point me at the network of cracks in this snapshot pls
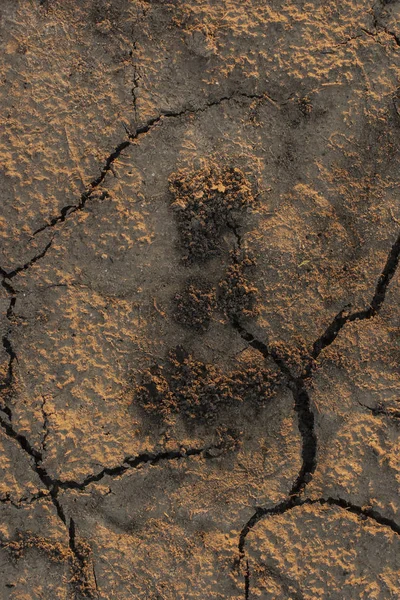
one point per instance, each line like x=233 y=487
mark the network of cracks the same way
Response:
x=227 y=193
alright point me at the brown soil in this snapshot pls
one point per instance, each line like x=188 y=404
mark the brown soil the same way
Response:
x=199 y=300
x=195 y=304
x=199 y=391
x=206 y=204
x=237 y=298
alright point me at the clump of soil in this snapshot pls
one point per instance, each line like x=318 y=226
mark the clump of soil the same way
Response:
x=199 y=391
x=194 y=305
x=205 y=203
x=237 y=298
x=26 y=541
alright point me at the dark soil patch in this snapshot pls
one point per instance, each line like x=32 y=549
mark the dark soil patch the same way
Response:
x=237 y=297
x=205 y=204
x=200 y=391
x=194 y=305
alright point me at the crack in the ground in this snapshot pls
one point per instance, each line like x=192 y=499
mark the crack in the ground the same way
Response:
x=370 y=513
x=394 y=36
x=378 y=25
x=133 y=462
x=132 y=137
x=372 y=35
x=6 y=285
x=36 y=460
x=70 y=209
x=306 y=416
x=22 y=502
x=366 y=513
x=11 y=274
x=82 y=564
x=54 y=485
x=347 y=41
x=95 y=579
x=9 y=350
x=296 y=384
x=80 y=552
x=247 y=581
x=380 y=410
x=302 y=405
x=340 y=320
x=136 y=79
x=12 y=357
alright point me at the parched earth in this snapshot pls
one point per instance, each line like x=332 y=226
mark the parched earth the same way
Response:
x=200 y=318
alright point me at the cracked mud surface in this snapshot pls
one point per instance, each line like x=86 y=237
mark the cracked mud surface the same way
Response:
x=200 y=322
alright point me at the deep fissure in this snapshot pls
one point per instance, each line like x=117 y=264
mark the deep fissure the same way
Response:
x=306 y=415
x=340 y=320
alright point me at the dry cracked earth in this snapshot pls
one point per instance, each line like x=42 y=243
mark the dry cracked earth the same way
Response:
x=200 y=321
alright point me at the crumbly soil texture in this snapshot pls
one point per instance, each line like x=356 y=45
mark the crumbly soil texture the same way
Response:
x=199 y=300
